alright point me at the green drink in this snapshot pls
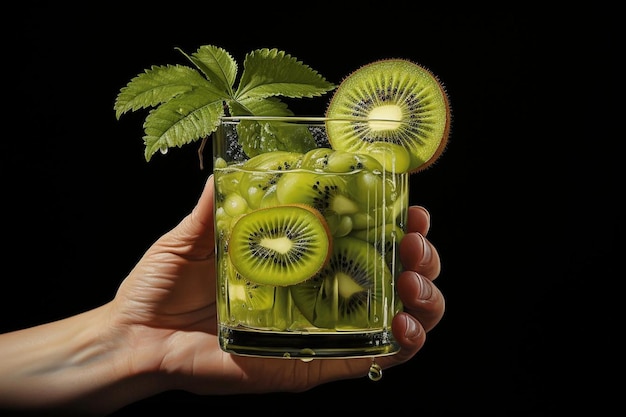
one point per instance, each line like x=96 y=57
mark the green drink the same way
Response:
x=309 y=212
x=306 y=244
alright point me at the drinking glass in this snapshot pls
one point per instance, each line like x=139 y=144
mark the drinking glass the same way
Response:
x=306 y=240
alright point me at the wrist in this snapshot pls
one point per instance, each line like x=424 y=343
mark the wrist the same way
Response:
x=74 y=364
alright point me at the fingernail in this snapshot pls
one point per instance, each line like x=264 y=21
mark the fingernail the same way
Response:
x=413 y=331
x=427 y=253
x=425 y=290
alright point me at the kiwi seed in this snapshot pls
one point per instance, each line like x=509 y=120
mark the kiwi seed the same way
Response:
x=387 y=106
x=280 y=245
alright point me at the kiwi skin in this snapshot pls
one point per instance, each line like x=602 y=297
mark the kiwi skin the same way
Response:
x=446 y=132
x=364 y=85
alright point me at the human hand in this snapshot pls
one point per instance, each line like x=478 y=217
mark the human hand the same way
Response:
x=165 y=311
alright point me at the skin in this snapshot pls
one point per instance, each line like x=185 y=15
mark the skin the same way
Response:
x=159 y=332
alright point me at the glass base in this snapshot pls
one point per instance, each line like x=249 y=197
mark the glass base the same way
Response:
x=307 y=345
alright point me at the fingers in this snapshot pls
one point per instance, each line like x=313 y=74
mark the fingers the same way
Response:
x=416 y=252
x=418 y=220
x=424 y=305
x=419 y=255
x=421 y=299
x=411 y=336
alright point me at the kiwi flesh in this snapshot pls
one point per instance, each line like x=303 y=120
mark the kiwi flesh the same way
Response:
x=247 y=295
x=258 y=187
x=246 y=302
x=316 y=159
x=280 y=245
x=352 y=291
x=394 y=110
x=323 y=191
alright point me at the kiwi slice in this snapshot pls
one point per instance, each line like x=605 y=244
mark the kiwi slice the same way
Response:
x=352 y=291
x=394 y=110
x=280 y=245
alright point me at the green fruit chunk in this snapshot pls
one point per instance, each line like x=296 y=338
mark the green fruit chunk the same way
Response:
x=258 y=185
x=245 y=295
x=351 y=292
x=280 y=245
x=234 y=205
x=384 y=238
x=394 y=102
x=273 y=161
x=316 y=159
x=371 y=189
x=393 y=158
x=324 y=192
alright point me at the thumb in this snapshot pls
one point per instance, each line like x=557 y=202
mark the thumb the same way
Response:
x=203 y=212
x=194 y=234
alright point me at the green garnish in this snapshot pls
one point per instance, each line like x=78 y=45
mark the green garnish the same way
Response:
x=186 y=103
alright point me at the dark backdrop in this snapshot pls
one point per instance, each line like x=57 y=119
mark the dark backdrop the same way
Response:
x=525 y=202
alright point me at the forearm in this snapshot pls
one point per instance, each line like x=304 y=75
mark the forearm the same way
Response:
x=69 y=364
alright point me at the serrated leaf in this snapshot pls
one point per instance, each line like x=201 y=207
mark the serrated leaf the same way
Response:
x=270 y=72
x=218 y=66
x=271 y=106
x=182 y=120
x=157 y=85
x=186 y=106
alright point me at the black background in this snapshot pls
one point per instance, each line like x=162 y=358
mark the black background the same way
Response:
x=525 y=202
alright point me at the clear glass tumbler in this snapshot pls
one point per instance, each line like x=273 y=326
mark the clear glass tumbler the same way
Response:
x=306 y=240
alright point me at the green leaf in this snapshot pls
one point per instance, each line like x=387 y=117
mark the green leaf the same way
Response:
x=157 y=85
x=217 y=65
x=182 y=120
x=186 y=104
x=271 y=106
x=269 y=72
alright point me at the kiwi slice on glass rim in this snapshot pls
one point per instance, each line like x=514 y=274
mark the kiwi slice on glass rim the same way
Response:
x=280 y=245
x=394 y=110
x=339 y=296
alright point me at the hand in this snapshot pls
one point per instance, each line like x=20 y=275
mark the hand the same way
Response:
x=166 y=308
x=159 y=333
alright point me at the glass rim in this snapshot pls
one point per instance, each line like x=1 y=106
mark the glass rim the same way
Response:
x=310 y=119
